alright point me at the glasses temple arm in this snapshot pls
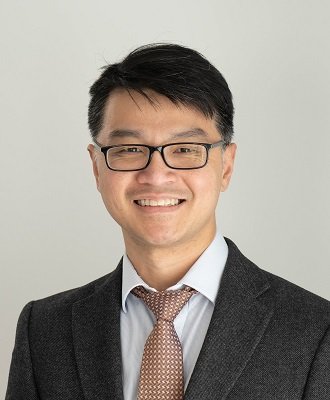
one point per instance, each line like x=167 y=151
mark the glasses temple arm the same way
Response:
x=96 y=145
x=220 y=143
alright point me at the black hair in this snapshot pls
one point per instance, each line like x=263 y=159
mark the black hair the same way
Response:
x=181 y=74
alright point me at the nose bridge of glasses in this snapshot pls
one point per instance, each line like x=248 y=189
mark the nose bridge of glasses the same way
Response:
x=153 y=149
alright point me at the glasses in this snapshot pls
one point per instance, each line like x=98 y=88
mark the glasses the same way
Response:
x=135 y=157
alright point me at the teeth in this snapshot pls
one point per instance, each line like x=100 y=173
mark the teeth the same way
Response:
x=158 y=203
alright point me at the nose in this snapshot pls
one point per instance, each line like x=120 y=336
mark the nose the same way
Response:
x=157 y=172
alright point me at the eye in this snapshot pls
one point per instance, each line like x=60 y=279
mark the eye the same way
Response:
x=131 y=149
x=184 y=149
x=126 y=150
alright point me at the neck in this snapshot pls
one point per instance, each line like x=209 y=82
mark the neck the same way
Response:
x=162 y=267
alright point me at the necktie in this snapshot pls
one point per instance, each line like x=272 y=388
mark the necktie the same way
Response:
x=161 y=375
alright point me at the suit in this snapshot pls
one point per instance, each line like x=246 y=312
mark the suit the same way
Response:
x=267 y=339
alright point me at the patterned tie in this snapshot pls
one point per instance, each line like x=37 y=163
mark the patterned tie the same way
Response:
x=161 y=375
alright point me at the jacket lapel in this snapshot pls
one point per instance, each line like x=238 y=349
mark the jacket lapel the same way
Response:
x=239 y=320
x=96 y=338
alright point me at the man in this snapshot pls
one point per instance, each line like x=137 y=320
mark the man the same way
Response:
x=185 y=314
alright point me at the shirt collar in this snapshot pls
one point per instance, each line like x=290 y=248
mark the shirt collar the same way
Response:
x=204 y=275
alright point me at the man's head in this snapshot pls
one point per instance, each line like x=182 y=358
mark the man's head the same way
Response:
x=160 y=95
x=181 y=74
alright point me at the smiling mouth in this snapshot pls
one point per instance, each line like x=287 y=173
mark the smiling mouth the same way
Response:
x=158 y=203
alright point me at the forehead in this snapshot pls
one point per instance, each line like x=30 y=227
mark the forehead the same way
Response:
x=156 y=119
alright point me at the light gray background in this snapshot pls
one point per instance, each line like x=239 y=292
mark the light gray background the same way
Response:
x=55 y=232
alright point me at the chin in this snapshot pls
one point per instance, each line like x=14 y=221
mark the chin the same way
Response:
x=159 y=238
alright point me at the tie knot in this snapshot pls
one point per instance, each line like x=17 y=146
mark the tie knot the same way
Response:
x=166 y=304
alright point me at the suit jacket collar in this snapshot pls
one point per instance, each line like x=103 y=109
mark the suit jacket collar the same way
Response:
x=96 y=338
x=239 y=320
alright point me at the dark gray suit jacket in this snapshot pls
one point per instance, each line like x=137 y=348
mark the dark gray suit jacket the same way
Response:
x=268 y=339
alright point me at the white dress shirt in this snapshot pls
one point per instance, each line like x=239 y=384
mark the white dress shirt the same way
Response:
x=191 y=324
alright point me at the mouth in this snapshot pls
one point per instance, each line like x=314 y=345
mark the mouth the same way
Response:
x=158 y=203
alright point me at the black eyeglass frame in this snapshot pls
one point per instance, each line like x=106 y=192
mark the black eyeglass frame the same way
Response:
x=152 y=149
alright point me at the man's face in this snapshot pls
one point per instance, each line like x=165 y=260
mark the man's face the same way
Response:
x=132 y=119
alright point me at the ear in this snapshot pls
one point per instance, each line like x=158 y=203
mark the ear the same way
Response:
x=93 y=156
x=228 y=165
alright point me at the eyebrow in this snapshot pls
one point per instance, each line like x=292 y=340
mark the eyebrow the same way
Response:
x=123 y=133
x=128 y=133
x=194 y=132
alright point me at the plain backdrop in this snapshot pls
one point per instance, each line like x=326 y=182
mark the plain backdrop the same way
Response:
x=275 y=55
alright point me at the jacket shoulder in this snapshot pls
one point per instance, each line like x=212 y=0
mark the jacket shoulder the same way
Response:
x=65 y=300
x=298 y=298
x=288 y=298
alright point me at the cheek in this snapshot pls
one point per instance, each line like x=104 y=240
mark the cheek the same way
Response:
x=206 y=184
x=112 y=191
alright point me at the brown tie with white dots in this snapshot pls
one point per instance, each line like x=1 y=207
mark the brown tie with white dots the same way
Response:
x=161 y=375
